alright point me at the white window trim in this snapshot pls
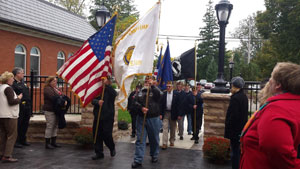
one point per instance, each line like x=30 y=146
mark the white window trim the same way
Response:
x=22 y=54
x=36 y=55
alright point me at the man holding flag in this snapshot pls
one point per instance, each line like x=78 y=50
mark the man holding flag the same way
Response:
x=88 y=73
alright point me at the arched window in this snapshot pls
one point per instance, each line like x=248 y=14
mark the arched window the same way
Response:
x=60 y=59
x=69 y=55
x=20 y=57
x=35 y=63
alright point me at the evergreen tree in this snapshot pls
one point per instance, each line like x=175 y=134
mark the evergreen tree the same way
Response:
x=208 y=47
x=212 y=72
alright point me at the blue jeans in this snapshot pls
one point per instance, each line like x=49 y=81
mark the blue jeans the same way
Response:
x=189 y=120
x=151 y=129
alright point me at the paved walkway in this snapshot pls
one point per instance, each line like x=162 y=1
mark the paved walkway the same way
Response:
x=74 y=157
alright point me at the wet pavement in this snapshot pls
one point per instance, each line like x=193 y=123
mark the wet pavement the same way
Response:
x=75 y=157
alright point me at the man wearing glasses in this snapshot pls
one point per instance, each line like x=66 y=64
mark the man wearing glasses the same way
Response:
x=169 y=114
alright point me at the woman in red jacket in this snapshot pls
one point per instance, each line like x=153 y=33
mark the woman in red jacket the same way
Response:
x=271 y=138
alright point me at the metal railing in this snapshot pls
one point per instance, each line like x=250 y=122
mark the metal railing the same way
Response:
x=252 y=89
x=37 y=84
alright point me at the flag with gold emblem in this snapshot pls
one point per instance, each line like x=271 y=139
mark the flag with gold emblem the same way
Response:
x=134 y=52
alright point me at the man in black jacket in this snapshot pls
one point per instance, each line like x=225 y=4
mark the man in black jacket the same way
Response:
x=25 y=107
x=236 y=118
x=132 y=109
x=169 y=114
x=195 y=103
x=151 y=94
x=106 y=120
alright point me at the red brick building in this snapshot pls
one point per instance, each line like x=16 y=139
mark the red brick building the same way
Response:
x=37 y=35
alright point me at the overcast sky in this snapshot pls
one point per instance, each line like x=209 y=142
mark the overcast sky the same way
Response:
x=180 y=17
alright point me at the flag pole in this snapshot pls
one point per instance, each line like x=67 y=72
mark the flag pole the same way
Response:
x=99 y=113
x=195 y=87
x=143 y=126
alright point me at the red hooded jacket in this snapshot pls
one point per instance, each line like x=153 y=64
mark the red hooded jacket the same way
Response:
x=272 y=141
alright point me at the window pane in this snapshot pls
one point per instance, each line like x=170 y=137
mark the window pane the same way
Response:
x=34 y=51
x=19 y=48
x=20 y=61
x=61 y=55
x=60 y=62
x=34 y=64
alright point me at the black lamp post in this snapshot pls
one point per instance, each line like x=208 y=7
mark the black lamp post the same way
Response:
x=102 y=15
x=231 y=65
x=223 y=9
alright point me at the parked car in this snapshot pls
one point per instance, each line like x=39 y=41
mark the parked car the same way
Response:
x=208 y=85
x=203 y=82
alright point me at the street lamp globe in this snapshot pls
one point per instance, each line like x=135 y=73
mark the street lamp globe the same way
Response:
x=102 y=15
x=223 y=9
x=231 y=64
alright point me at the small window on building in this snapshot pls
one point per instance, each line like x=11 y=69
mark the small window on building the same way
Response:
x=35 y=64
x=69 y=55
x=60 y=62
x=20 y=57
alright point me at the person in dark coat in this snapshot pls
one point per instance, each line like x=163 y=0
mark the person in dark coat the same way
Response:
x=236 y=118
x=106 y=122
x=152 y=122
x=195 y=97
x=25 y=106
x=187 y=111
x=169 y=113
x=180 y=119
x=132 y=109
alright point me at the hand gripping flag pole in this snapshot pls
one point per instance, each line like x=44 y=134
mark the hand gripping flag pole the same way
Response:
x=99 y=113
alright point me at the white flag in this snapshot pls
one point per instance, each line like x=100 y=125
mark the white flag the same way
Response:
x=134 y=52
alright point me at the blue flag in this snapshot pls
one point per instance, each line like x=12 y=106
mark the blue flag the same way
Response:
x=165 y=73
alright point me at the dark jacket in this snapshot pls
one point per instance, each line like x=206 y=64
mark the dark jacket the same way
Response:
x=153 y=102
x=131 y=107
x=175 y=112
x=191 y=102
x=61 y=109
x=21 y=87
x=108 y=106
x=237 y=115
x=184 y=108
x=49 y=97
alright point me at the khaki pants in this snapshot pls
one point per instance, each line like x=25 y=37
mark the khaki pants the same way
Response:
x=8 y=135
x=166 y=122
x=51 y=124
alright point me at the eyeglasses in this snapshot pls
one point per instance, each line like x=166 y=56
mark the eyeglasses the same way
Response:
x=169 y=86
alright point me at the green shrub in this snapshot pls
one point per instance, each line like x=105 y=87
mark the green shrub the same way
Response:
x=124 y=115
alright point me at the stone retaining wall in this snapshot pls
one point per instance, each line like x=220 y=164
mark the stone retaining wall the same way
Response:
x=37 y=126
x=215 y=108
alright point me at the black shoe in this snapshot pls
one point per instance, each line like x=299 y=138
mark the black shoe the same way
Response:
x=161 y=130
x=18 y=145
x=181 y=137
x=196 y=141
x=135 y=165
x=53 y=143
x=113 y=152
x=193 y=138
x=98 y=156
x=47 y=144
x=25 y=144
x=154 y=159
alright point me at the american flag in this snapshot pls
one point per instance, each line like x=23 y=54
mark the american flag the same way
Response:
x=84 y=70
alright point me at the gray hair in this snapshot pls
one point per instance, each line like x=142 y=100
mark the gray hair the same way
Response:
x=17 y=70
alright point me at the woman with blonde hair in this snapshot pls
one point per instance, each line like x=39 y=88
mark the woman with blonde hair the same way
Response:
x=9 y=103
x=271 y=139
x=50 y=92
